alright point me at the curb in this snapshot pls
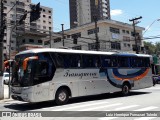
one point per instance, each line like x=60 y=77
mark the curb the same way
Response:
x=6 y=100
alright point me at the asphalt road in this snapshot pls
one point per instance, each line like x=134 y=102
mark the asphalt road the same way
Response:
x=95 y=107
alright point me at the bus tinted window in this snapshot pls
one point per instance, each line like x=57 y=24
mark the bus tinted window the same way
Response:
x=66 y=60
x=140 y=62
x=44 y=68
x=59 y=61
x=72 y=60
x=123 y=62
x=90 y=61
x=109 y=61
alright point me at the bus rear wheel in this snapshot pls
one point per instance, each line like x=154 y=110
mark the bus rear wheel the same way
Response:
x=62 y=97
x=125 y=90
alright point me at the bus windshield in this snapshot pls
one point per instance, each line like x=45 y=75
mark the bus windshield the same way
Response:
x=19 y=76
x=32 y=69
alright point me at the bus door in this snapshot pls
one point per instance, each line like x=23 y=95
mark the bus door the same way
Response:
x=43 y=74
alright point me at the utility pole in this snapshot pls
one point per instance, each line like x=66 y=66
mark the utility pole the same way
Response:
x=2 y=28
x=95 y=17
x=134 y=31
x=50 y=32
x=63 y=34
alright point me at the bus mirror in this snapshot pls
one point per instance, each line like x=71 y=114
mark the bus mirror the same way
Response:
x=25 y=62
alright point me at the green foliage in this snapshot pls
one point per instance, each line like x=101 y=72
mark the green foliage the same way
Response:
x=150 y=47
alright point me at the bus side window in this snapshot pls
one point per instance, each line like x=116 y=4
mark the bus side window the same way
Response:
x=113 y=61
x=88 y=61
x=75 y=60
x=59 y=60
x=123 y=62
x=106 y=62
x=97 y=61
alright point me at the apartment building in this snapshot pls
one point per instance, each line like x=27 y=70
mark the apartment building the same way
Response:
x=113 y=36
x=83 y=11
x=28 y=35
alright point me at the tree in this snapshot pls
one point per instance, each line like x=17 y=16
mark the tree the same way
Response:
x=150 y=47
x=157 y=48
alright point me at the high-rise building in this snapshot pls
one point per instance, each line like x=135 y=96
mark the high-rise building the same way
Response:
x=13 y=11
x=83 y=11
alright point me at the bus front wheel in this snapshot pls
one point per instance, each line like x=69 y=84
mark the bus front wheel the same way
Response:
x=125 y=90
x=62 y=97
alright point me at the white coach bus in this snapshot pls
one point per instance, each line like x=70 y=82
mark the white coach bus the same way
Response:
x=59 y=74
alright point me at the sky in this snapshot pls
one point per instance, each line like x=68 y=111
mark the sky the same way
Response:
x=121 y=10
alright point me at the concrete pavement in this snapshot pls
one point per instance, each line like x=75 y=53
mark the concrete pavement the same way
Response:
x=6 y=93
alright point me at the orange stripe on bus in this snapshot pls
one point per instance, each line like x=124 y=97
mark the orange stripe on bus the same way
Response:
x=134 y=78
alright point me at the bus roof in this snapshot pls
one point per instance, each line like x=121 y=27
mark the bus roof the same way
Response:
x=80 y=52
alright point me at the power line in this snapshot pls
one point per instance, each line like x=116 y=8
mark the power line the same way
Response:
x=12 y=7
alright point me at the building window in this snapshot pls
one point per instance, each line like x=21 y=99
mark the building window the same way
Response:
x=12 y=3
x=49 y=17
x=123 y=31
x=5 y=8
x=75 y=40
x=31 y=40
x=44 y=27
x=114 y=30
x=23 y=41
x=125 y=38
x=77 y=48
x=57 y=40
x=44 y=21
x=91 y=46
x=50 y=28
x=68 y=36
x=92 y=31
x=49 y=11
x=12 y=48
x=44 y=15
x=20 y=3
x=115 y=45
x=127 y=32
x=20 y=10
x=76 y=35
x=49 y=22
x=132 y=34
x=44 y=10
x=39 y=41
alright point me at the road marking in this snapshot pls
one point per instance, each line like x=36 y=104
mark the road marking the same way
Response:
x=146 y=108
x=100 y=107
x=79 y=106
x=126 y=107
x=145 y=118
x=107 y=118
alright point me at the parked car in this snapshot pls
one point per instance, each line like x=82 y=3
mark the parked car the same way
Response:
x=5 y=78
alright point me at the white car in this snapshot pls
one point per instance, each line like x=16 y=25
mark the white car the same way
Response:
x=5 y=78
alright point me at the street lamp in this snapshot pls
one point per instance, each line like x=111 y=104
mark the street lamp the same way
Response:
x=150 y=25
x=63 y=33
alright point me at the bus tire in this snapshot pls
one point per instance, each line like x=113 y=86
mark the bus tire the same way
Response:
x=125 y=89
x=62 y=97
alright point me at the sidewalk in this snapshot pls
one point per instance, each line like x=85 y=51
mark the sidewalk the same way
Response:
x=6 y=93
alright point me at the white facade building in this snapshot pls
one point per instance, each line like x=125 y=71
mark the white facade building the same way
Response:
x=14 y=10
x=113 y=35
